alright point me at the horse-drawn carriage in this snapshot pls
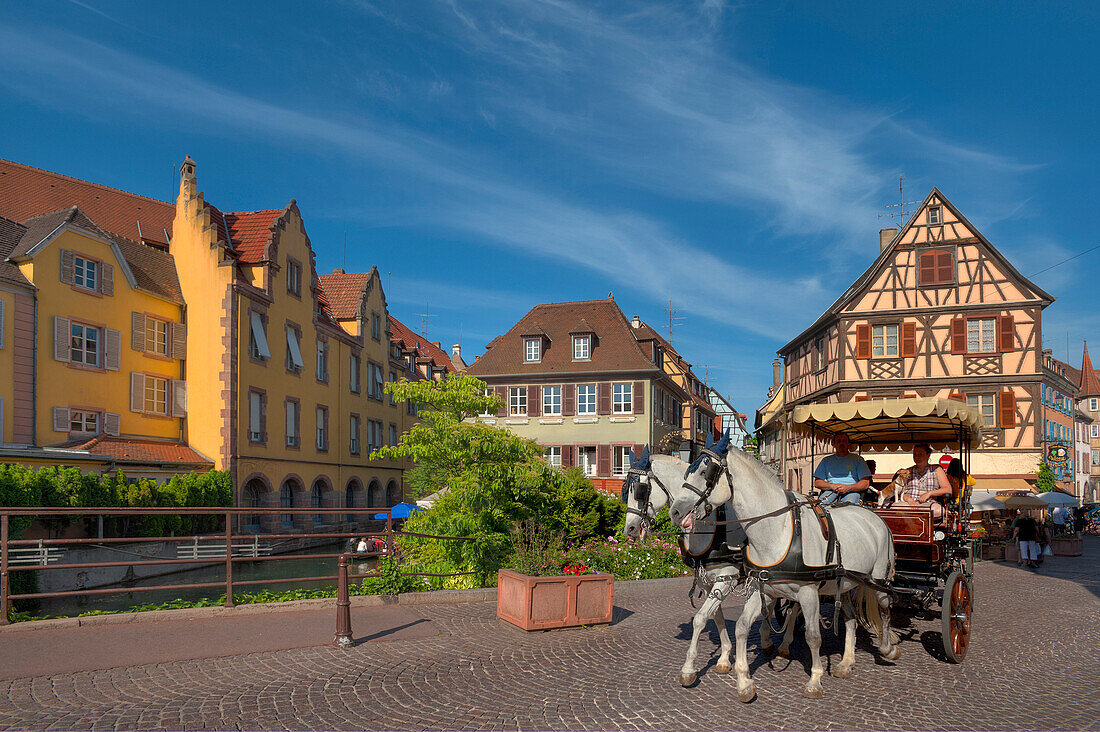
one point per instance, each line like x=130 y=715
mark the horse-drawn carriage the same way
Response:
x=934 y=559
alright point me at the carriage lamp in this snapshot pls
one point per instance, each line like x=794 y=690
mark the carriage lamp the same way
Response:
x=939 y=536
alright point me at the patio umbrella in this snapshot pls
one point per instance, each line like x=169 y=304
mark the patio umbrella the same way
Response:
x=1024 y=501
x=1057 y=498
x=404 y=510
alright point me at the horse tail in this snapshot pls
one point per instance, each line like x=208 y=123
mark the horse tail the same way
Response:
x=868 y=610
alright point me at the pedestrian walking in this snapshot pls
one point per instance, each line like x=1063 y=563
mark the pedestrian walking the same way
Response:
x=1026 y=531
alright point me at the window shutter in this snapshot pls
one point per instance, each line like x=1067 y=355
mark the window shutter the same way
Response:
x=863 y=341
x=179 y=341
x=957 y=397
x=179 y=398
x=1006 y=334
x=502 y=392
x=107 y=278
x=908 y=340
x=137 y=331
x=534 y=401
x=603 y=460
x=1008 y=409
x=112 y=350
x=862 y=398
x=926 y=268
x=568 y=401
x=639 y=398
x=958 y=335
x=1 y=323
x=567 y=456
x=62 y=339
x=112 y=423
x=67 y=266
x=60 y=419
x=137 y=392
x=945 y=268
x=603 y=398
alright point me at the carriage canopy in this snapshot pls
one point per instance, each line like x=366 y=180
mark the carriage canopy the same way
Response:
x=895 y=424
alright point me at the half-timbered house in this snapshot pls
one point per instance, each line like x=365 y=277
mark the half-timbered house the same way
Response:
x=939 y=313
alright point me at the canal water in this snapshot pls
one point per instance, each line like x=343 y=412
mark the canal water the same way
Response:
x=242 y=571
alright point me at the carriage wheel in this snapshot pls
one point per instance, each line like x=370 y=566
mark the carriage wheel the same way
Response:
x=955 y=612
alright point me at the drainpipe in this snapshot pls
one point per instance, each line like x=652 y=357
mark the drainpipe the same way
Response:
x=34 y=372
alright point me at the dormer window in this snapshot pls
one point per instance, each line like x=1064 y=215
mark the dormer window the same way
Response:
x=582 y=347
x=935 y=215
x=532 y=350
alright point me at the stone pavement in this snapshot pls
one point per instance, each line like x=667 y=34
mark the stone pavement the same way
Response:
x=1032 y=665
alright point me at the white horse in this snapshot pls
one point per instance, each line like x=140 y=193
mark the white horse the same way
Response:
x=654 y=482
x=866 y=547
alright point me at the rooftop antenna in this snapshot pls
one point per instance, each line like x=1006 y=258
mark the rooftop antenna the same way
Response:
x=900 y=205
x=344 y=266
x=673 y=319
x=424 y=316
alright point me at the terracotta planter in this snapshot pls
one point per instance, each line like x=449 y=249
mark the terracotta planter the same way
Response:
x=1012 y=552
x=543 y=603
x=1067 y=546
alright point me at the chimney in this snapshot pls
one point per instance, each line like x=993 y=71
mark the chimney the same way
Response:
x=777 y=373
x=636 y=322
x=338 y=270
x=885 y=236
x=436 y=344
x=456 y=351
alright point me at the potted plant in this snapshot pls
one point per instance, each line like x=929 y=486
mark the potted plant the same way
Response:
x=544 y=590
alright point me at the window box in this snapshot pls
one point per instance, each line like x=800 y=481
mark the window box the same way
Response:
x=545 y=603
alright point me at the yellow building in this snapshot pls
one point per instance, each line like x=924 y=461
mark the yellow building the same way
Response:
x=162 y=339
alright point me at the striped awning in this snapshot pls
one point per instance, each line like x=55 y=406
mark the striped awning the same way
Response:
x=895 y=424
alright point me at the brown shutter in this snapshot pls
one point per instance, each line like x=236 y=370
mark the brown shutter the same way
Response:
x=1006 y=333
x=112 y=423
x=179 y=340
x=62 y=339
x=112 y=350
x=945 y=268
x=603 y=460
x=107 y=279
x=1008 y=409
x=603 y=398
x=926 y=268
x=137 y=331
x=863 y=341
x=568 y=400
x=179 y=398
x=958 y=335
x=60 y=419
x=567 y=456
x=67 y=266
x=534 y=401
x=957 y=397
x=137 y=392
x=908 y=340
x=502 y=392
x=639 y=397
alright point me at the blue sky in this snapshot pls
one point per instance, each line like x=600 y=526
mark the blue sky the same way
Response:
x=488 y=156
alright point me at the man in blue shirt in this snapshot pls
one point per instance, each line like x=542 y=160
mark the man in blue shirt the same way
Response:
x=842 y=477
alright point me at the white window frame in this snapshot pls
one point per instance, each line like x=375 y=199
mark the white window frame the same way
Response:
x=294 y=347
x=294 y=277
x=622 y=398
x=590 y=467
x=881 y=336
x=532 y=350
x=355 y=426
x=1094 y=431
x=517 y=401
x=84 y=422
x=582 y=348
x=1096 y=457
x=984 y=402
x=153 y=394
x=255 y=416
x=78 y=343
x=355 y=363
x=257 y=341
x=154 y=329
x=551 y=401
x=552 y=456
x=978 y=330
x=620 y=460
x=587 y=403
x=322 y=428
x=935 y=215
x=291 y=412
x=1094 y=404
x=322 y=360
x=85 y=273
x=487 y=413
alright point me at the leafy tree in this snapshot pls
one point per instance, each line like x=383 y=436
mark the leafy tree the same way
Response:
x=1046 y=481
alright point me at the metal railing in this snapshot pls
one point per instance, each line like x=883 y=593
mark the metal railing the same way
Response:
x=48 y=554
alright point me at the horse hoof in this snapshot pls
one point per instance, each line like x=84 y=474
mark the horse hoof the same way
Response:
x=688 y=679
x=747 y=694
x=893 y=654
x=817 y=693
x=723 y=668
x=783 y=653
x=842 y=672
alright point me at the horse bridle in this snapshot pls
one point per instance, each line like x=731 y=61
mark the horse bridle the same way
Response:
x=715 y=467
x=631 y=487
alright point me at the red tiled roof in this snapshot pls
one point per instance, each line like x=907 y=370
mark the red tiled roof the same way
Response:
x=400 y=331
x=615 y=348
x=343 y=291
x=139 y=451
x=26 y=192
x=250 y=231
x=1089 y=385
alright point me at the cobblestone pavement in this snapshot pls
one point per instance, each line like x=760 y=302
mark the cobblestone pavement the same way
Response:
x=1032 y=665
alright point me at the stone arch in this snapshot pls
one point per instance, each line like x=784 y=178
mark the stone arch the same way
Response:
x=353 y=496
x=392 y=492
x=374 y=493
x=290 y=496
x=255 y=492
x=321 y=486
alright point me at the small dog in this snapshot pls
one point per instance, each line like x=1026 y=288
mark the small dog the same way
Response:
x=891 y=492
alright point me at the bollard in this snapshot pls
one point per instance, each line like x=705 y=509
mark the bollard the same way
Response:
x=343 y=607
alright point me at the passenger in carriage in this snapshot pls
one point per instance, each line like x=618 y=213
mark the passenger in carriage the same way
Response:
x=843 y=476
x=928 y=485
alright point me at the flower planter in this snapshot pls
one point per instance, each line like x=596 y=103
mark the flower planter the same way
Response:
x=1067 y=546
x=544 y=603
x=1012 y=552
